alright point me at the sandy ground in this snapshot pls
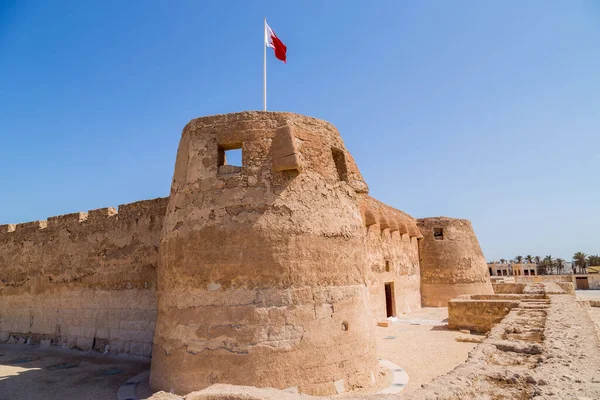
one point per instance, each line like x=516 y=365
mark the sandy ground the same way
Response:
x=426 y=350
x=27 y=373
x=588 y=294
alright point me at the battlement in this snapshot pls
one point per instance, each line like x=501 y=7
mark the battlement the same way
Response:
x=130 y=212
x=375 y=212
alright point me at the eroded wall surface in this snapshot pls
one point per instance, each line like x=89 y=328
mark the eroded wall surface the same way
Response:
x=452 y=263
x=262 y=273
x=84 y=279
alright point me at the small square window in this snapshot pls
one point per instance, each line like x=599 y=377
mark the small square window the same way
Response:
x=230 y=159
x=438 y=233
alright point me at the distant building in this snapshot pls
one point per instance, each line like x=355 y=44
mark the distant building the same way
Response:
x=497 y=269
x=525 y=269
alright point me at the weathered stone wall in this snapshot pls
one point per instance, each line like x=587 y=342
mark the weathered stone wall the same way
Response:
x=83 y=279
x=272 y=273
x=543 y=278
x=568 y=287
x=262 y=272
x=392 y=256
x=503 y=288
x=451 y=264
x=478 y=315
x=593 y=280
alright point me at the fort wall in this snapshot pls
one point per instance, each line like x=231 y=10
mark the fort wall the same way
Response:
x=262 y=272
x=392 y=259
x=452 y=263
x=272 y=273
x=84 y=280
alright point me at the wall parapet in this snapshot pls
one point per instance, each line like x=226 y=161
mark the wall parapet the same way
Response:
x=126 y=213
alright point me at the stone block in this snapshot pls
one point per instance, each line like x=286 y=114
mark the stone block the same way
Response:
x=85 y=343
x=4 y=336
x=323 y=311
x=136 y=348
x=285 y=153
x=339 y=386
x=147 y=349
x=45 y=343
x=384 y=324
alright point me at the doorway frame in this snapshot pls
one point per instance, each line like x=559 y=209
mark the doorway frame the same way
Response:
x=390 y=306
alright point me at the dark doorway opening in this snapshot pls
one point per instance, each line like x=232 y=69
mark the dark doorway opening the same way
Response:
x=582 y=283
x=390 y=306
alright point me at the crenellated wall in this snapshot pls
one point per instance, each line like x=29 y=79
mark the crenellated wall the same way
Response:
x=272 y=273
x=83 y=279
x=392 y=256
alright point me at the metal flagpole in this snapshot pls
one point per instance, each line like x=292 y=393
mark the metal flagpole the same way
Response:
x=265 y=68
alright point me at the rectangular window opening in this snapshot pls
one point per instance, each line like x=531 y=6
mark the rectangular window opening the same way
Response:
x=230 y=159
x=387 y=265
x=339 y=158
x=438 y=233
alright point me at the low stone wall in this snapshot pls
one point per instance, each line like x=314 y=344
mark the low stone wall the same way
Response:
x=502 y=288
x=568 y=287
x=543 y=349
x=509 y=296
x=543 y=278
x=478 y=315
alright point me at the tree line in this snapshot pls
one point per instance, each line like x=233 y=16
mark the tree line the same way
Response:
x=549 y=265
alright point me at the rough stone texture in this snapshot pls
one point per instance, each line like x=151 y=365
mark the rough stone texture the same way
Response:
x=478 y=315
x=453 y=265
x=80 y=278
x=568 y=287
x=263 y=285
x=392 y=256
x=500 y=288
x=545 y=348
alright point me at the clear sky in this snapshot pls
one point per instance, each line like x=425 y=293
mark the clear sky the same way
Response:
x=474 y=109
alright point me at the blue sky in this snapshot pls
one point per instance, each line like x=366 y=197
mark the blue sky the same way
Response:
x=482 y=110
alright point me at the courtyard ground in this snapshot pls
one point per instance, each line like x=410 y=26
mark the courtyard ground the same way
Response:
x=417 y=342
x=29 y=373
x=588 y=294
x=420 y=343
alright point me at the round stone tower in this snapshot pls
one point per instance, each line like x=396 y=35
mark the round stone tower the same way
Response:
x=452 y=262
x=261 y=278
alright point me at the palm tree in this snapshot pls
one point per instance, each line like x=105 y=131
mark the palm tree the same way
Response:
x=519 y=259
x=502 y=260
x=579 y=260
x=548 y=263
x=593 y=260
x=537 y=259
x=560 y=264
x=529 y=258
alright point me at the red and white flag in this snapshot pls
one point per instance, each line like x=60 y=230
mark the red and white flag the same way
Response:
x=271 y=40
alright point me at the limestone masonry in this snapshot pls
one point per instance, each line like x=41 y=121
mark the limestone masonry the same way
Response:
x=270 y=274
